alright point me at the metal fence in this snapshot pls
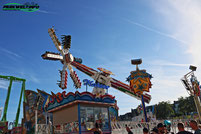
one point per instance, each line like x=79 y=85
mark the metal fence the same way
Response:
x=137 y=127
x=43 y=129
x=118 y=127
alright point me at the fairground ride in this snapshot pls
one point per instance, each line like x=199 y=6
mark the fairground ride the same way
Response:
x=192 y=86
x=102 y=76
x=11 y=79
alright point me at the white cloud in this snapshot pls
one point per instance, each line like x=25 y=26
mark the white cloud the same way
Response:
x=166 y=82
x=9 y=52
x=166 y=63
x=157 y=47
x=29 y=76
x=155 y=31
x=34 y=79
x=46 y=12
x=42 y=11
x=166 y=88
x=182 y=18
x=1 y=110
x=4 y=84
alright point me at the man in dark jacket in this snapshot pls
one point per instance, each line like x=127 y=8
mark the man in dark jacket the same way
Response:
x=194 y=126
x=180 y=127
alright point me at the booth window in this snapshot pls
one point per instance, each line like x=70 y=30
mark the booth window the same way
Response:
x=91 y=115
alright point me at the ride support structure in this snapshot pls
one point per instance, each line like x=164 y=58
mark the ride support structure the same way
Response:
x=192 y=86
x=140 y=82
x=22 y=94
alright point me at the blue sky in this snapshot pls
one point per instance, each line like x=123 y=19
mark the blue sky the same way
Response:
x=108 y=34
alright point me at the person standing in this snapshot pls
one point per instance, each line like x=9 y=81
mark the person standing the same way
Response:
x=160 y=128
x=194 y=126
x=180 y=127
x=97 y=129
x=154 y=131
x=128 y=130
x=145 y=131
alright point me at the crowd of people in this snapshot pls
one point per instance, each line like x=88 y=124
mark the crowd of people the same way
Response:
x=166 y=129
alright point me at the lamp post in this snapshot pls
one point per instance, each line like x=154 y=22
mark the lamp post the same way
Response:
x=191 y=84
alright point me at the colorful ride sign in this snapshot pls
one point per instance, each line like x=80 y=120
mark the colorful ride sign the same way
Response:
x=140 y=81
x=96 y=85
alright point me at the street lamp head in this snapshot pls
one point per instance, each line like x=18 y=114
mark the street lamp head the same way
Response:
x=136 y=61
x=193 y=68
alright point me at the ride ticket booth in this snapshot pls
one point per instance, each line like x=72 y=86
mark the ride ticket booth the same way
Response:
x=78 y=112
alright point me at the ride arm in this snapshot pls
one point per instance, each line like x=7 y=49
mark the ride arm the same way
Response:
x=127 y=90
x=109 y=81
x=55 y=40
x=87 y=70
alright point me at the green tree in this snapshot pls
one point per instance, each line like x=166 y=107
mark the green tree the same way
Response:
x=186 y=105
x=164 y=110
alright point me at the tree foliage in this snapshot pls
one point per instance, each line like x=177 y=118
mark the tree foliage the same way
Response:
x=186 y=105
x=164 y=110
